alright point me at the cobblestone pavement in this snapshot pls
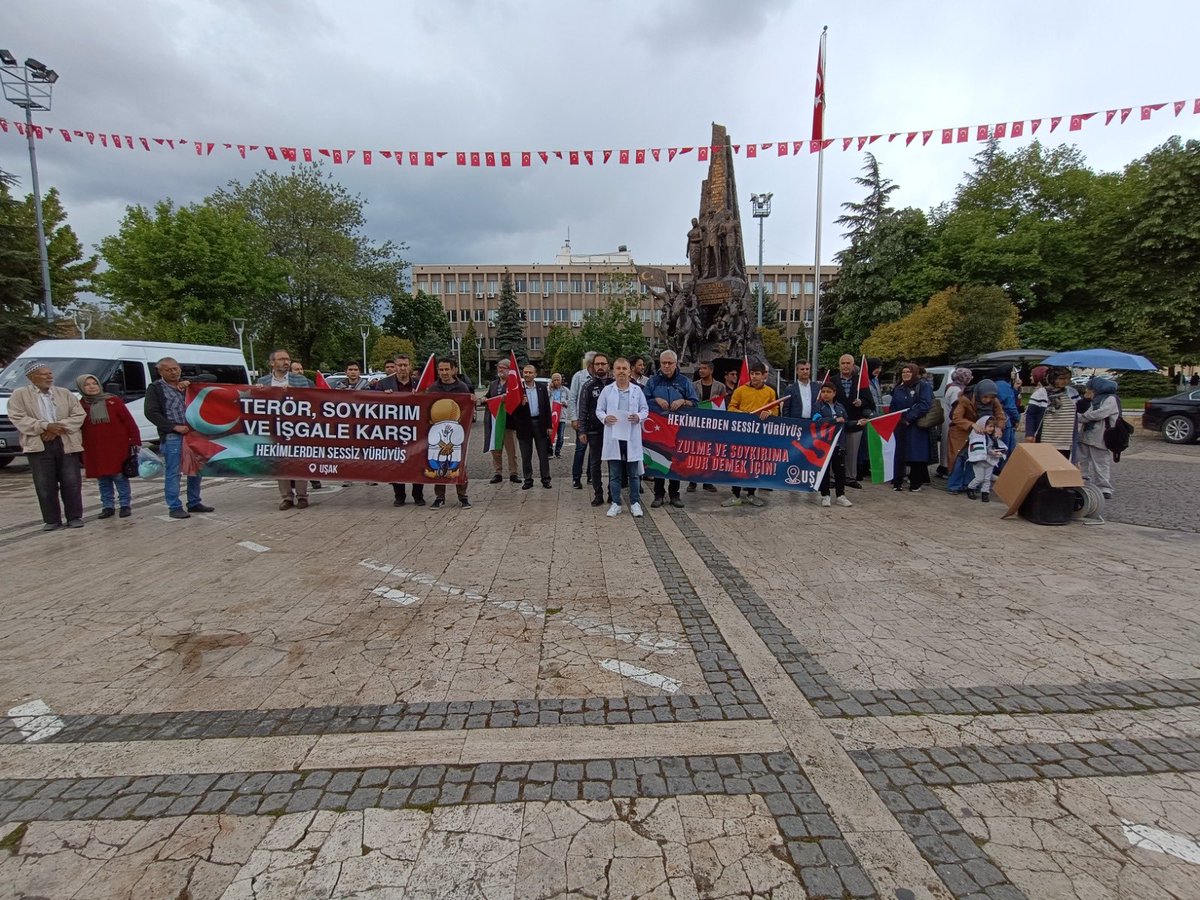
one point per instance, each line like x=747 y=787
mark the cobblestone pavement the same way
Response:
x=1158 y=484
x=907 y=699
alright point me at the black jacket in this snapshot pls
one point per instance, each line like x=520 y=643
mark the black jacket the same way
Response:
x=522 y=422
x=793 y=399
x=589 y=396
x=390 y=383
x=853 y=413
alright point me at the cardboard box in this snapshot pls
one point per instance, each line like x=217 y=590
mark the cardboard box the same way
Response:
x=1025 y=466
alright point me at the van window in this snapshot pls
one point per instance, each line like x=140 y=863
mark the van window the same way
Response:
x=220 y=374
x=65 y=372
x=131 y=379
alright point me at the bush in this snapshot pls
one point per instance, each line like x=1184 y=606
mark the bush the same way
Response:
x=1146 y=384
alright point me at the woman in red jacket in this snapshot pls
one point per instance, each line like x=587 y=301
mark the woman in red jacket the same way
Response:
x=108 y=434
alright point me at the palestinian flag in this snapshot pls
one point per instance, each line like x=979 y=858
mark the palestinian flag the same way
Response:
x=881 y=446
x=714 y=403
x=501 y=405
x=428 y=374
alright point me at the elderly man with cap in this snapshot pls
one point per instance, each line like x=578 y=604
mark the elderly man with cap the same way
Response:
x=50 y=422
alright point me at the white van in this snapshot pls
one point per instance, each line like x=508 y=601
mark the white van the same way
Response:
x=125 y=368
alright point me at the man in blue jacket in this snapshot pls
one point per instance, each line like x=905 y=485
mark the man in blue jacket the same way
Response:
x=800 y=397
x=668 y=390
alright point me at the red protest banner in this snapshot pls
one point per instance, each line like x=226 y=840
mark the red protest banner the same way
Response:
x=265 y=432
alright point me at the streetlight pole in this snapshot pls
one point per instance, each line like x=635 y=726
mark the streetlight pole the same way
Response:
x=250 y=337
x=760 y=207
x=83 y=321
x=364 y=329
x=239 y=327
x=29 y=87
x=478 y=359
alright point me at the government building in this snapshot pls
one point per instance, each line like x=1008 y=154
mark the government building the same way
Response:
x=565 y=291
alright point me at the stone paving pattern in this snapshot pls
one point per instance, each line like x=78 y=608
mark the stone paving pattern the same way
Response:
x=889 y=713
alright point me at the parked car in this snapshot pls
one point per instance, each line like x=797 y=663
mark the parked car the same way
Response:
x=1178 y=417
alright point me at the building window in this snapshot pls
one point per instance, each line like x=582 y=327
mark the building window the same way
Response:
x=809 y=284
x=450 y=285
x=435 y=287
x=797 y=286
x=492 y=316
x=535 y=285
x=479 y=315
x=452 y=315
x=562 y=285
x=796 y=315
x=645 y=315
x=464 y=286
x=562 y=315
x=491 y=285
x=577 y=315
x=548 y=315
x=535 y=314
x=519 y=285
x=576 y=285
x=492 y=344
x=535 y=343
x=808 y=316
x=423 y=285
x=589 y=286
x=478 y=286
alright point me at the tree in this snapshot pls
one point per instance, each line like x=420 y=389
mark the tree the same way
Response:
x=421 y=319
x=335 y=275
x=954 y=323
x=471 y=354
x=564 y=351
x=616 y=329
x=770 y=316
x=510 y=327
x=777 y=350
x=70 y=271
x=18 y=290
x=182 y=274
x=883 y=271
x=987 y=321
x=386 y=348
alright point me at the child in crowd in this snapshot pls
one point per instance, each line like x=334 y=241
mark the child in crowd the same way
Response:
x=749 y=398
x=826 y=410
x=984 y=451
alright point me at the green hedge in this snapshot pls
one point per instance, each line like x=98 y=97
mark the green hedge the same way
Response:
x=1146 y=384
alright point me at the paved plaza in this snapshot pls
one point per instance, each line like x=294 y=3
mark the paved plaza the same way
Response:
x=908 y=699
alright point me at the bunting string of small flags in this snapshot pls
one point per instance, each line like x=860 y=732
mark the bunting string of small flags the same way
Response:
x=958 y=134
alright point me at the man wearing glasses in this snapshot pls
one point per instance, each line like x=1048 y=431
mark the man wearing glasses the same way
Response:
x=291 y=493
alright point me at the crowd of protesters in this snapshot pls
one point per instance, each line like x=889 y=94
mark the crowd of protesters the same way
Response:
x=969 y=432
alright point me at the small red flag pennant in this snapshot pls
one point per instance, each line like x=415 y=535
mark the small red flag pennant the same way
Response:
x=474 y=157
x=947 y=135
x=797 y=146
x=623 y=157
x=874 y=138
x=846 y=142
x=271 y=155
x=909 y=138
x=1109 y=116
x=1034 y=124
x=366 y=157
x=414 y=158
x=982 y=132
x=573 y=157
x=862 y=142
x=544 y=157
x=460 y=158
x=893 y=136
x=116 y=138
x=963 y=134
x=386 y=154
x=253 y=147
x=4 y=126
x=782 y=148
x=701 y=154
x=736 y=148
x=1078 y=119
x=489 y=158
x=1125 y=114
x=1001 y=130
x=208 y=148
x=925 y=136
x=307 y=154
x=683 y=150
x=766 y=146
x=1018 y=129
x=588 y=155
x=128 y=141
x=1150 y=109
x=227 y=146
x=751 y=151
x=671 y=151
x=1196 y=107
x=323 y=151
x=505 y=158
x=558 y=153
x=654 y=153
x=639 y=157
x=1054 y=122
x=66 y=135
x=103 y=137
x=607 y=155
x=289 y=153
x=1179 y=105
x=145 y=143
x=526 y=158
x=429 y=157
x=349 y=154
x=242 y=150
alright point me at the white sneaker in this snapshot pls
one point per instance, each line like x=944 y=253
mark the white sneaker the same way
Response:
x=825 y=501
x=844 y=501
x=636 y=509
x=614 y=511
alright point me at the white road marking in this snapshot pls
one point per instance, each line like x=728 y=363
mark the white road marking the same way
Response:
x=36 y=720
x=250 y=545
x=398 y=596
x=646 y=640
x=640 y=675
x=1150 y=838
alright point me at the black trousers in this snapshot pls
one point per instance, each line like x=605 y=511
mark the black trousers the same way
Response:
x=57 y=473
x=418 y=491
x=595 y=444
x=837 y=467
x=539 y=442
x=671 y=487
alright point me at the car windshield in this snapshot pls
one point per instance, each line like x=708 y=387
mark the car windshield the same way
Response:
x=65 y=372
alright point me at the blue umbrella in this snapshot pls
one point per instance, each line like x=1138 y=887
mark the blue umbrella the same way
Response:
x=1101 y=358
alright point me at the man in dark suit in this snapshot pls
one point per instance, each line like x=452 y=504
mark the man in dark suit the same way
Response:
x=859 y=405
x=800 y=397
x=531 y=422
x=401 y=381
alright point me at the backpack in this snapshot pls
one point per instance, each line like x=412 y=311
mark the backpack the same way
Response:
x=1117 y=437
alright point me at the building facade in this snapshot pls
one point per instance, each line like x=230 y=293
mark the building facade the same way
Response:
x=565 y=291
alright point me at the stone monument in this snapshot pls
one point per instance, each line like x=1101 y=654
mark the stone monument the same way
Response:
x=709 y=315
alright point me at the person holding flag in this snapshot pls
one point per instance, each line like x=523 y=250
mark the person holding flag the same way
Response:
x=560 y=399
x=827 y=409
x=756 y=397
x=852 y=389
x=497 y=437
x=669 y=390
x=711 y=394
x=447 y=384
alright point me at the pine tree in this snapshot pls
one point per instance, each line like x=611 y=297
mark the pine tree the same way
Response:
x=510 y=328
x=18 y=290
x=470 y=353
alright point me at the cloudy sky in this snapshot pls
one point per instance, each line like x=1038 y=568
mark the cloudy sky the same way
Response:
x=505 y=75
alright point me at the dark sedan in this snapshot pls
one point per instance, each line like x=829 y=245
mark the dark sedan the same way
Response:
x=1178 y=417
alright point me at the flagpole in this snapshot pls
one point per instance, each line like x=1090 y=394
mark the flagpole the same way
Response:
x=820 y=138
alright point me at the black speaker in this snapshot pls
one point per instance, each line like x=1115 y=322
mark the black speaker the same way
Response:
x=1047 y=505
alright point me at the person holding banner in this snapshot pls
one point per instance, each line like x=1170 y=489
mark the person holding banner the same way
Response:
x=708 y=390
x=531 y=421
x=282 y=376
x=497 y=388
x=852 y=387
x=400 y=381
x=623 y=409
x=757 y=397
x=828 y=408
x=354 y=379
x=447 y=384
x=591 y=429
x=670 y=390
x=165 y=408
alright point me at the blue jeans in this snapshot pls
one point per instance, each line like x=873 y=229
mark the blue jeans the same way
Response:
x=172 y=454
x=558 y=441
x=121 y=483
x=960 y=474
x=620 y=469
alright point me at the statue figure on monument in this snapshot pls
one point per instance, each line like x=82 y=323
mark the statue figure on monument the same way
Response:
x=694 y=247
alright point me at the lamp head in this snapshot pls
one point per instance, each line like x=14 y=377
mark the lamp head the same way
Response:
x=7 y=58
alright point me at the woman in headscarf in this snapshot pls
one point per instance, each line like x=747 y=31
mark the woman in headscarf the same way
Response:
x=109 y=433
x=959 y=379
x=1102 y=410
x=970 y=408
x=1050 y=414
x=1008 y=385
x=913 y=396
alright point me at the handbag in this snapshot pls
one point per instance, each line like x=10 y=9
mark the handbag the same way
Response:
x=129 y=468
x=932 y=417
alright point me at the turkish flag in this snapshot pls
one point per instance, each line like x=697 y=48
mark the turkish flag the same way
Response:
x=1054 y=122
x=350 y=155
x=505 y=158
x=1150 y=109
x=1078 y=119
x=797 y=146
x=460 y=158
x=242 y=150
x=607 y=155
x=781 y=148
x=846 y=142
x=271 y=153
x=414 y=158
x=654 y=153
x=573 y=158
x=589 y=156
x=982 y=133
x=963 y=134
x=307 y=154
x=366 y=157
x=544 y=156
x=1018 y=129
x=910 y=138
x=947 y=135
x=925 y=136
x=744 y=374
x=671 y=151
x=337 y=157
x=751 y=151
x=526 y=158
x=66 y=135
x=1179 y=105
x=623 y=157
x=701 y=154
x=320 y=381
x=639 y=157
x=475 y=158
x=1034 y=124
x=1109 y=116
x=427 y=374
x=1001 y=130
x=818 y=123
x=145 y=143
x=289 y=153
x=1125 y=114
x=489 y=158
